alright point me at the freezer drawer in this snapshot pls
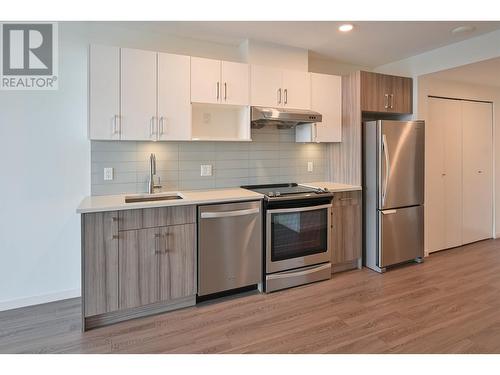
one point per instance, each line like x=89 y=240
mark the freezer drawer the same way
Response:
x=401 y=235
x=229 y=246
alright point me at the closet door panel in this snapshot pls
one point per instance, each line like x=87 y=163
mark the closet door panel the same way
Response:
x=443 y=177
x=477 y=166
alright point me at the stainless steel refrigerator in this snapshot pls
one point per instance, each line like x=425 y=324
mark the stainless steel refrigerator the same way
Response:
x=393 y=184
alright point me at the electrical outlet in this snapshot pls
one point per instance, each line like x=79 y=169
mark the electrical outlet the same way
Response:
x=108 y=174
x=206 y=170
x=309 y=166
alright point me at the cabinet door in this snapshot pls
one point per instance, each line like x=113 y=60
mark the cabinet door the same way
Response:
x=205 y=80
x=296 y=89
x=443 y=175
x=326 y=98
x=401 y=95
x=104 y=92
x=235 y=83
x=138 y=95
x=174 y=101
x=177 y=261
x=374 y=92
x=346 y=227
x=138 y=268
x=266 y=86
x=100 y=262
x=477 y=170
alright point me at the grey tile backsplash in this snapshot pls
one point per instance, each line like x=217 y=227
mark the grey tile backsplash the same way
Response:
x=272 y=157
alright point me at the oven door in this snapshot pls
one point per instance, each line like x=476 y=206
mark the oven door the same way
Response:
x=297 y=237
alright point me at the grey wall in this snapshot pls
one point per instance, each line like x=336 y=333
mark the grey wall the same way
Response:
x=272 y=157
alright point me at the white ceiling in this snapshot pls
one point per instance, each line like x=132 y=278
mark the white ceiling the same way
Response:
x=486 y=73
x=371 y=43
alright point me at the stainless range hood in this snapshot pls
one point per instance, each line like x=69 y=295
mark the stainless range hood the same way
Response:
x=282 y=118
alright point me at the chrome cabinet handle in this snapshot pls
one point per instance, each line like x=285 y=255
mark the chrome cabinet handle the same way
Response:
x=217 y=90
x=214 y=215
x=387 y=168
x=279 y=96
x=152 y=126
x=386 y=101
x=225 y=90
x=391 y=101
x=115 y=125
x=286 y=96
x=162 y=119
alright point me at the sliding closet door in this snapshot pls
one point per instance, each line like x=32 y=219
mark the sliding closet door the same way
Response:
x=443 y=174
x=477 y=161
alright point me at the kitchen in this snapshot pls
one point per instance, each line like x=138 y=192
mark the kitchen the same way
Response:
x=231 y=190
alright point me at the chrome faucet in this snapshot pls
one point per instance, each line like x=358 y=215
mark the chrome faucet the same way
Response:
x=152 y=174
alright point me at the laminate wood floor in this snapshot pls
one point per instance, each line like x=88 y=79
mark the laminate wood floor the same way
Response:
x=448 y=304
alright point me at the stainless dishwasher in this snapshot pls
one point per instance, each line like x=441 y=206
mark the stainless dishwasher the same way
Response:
x=229 y=246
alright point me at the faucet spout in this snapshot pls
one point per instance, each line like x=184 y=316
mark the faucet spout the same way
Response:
x=152 y=173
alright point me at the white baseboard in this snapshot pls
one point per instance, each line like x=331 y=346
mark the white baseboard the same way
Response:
x=36 y=300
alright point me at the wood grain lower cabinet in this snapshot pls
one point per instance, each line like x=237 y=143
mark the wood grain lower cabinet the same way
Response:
x=138 y=268
x=100 y=262
x=346 y=230
x=129 y=273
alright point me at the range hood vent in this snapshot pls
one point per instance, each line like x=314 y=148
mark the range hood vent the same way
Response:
x=282 y=118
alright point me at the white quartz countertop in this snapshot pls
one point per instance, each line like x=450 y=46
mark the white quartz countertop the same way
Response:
x=117 y=202
x=332 y=186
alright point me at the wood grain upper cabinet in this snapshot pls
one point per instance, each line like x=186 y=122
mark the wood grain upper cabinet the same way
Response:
x=326 y=98
x=104 y=92
x=219 y=82
x=138 y=95
x=100 y=262
x=385 y=93
x=174 y=101
x=346 y=227
x=273 y=87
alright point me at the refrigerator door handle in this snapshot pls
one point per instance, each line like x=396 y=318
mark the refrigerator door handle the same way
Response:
x=387 y=169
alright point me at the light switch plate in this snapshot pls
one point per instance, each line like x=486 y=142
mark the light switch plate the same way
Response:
x=309 y=166
x=108 y=174
x=206 y=170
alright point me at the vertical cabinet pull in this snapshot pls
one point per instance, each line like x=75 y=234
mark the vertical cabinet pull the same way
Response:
x=392 y=101
x=225 y=90
x=286 y=96
x=217 y=91
x=152 y=125
x=279 y=96
x=162 y=119
x=386 y=101
x=116 y=127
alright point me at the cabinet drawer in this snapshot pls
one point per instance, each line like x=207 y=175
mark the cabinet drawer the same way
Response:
x=346 y=198
x=156 y=217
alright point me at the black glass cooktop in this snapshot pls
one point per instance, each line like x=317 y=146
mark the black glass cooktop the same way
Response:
x=280 y=189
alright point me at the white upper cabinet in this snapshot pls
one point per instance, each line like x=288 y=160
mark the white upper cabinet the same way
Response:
x=219 y=82
x=138 y=95
x=296 y=89
x=104 y=92
x=272 y=87
x=326 y=98
x=205 y=80
x=235 y=83
x=265 y=86
x=174 y=104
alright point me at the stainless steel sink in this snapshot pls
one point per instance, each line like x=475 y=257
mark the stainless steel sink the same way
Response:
x=152 y=197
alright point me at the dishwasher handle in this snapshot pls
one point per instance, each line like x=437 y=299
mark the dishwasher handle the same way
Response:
x=214 y=215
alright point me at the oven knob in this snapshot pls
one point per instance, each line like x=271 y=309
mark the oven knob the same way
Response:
x=278 y=193
x=271 y=194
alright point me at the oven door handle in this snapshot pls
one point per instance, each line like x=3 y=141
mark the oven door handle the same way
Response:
x=299 y=209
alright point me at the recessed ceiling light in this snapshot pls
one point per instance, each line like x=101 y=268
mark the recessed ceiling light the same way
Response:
x=463 y=29
x=346 y=27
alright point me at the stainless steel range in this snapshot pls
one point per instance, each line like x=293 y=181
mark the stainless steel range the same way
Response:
x=297 y=235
